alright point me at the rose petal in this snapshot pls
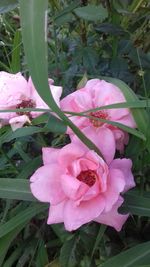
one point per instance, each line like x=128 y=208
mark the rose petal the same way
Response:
x=125 y=166
x=75 y=216
x=113 y=218
x=69 y=153
x=18 y=122
x=50 y=155
x=115 y=185
x=72 y=187
x=103 y=138
x=56 y=213
x=45 y=184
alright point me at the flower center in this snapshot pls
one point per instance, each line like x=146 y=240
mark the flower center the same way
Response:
x=102 y=114
x=25 y=104
x=88 y=177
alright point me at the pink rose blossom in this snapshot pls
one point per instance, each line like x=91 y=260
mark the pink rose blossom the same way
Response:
x=81 y=187
x=16 y=92
x=97 y=93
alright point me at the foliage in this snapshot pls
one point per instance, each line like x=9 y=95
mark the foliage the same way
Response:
x=85 y=39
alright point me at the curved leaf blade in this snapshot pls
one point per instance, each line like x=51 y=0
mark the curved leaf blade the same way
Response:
x=139 y=254
x=17 y=189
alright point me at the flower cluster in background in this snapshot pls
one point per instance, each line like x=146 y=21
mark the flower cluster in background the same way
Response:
x=17 y=93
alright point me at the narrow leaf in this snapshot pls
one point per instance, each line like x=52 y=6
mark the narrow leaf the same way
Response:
x=136 y=204
x=6 y=241
x=22 y=217
x=18 y=189
x=35 y=45
x=15 y=62
x=7 y=5
x=132 y=257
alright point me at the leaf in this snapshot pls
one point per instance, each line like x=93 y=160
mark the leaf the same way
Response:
x=70 y=254
x=18 y=189
x=140 y=116
x=35 y=45
x=7 y=5
x=101 y=232
x=55 y=125
x=22 y=217
x=15 y=61
x=21 y=132
x=110 y=28
x=6 y=241
x=29 y=168
x=42 y=256
x=65 y=15
x=136 y=204
x=92 y=12
x=83 y=81
x=13 y=257
x=139 y=254
x=34 y=34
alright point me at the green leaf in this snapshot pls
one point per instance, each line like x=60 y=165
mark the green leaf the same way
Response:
x=70 y=254
x=136 y=204
x=34 y=34
x=55 y=125
x=13 y=257
x=99 y=237
x=7 y=5
x=18 y=189
x=6 y=241
x=139 y=254
x=42 y=256
x=35 y=45
x=140 y=116
x=83 y=81
x=15 y=61
x=29 y=168
x=117 y=124
x=92 y=12
x=22 y=217
x=66 y=15
x=21 y=132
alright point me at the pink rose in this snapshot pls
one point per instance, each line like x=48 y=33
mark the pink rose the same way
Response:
x=81 y=187
x=97 y=93
x=16 y=92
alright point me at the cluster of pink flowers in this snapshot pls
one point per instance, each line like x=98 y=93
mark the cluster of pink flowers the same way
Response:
x=80 y=185
x=17 y=93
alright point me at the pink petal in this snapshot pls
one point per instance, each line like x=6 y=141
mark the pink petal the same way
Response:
x=55 y=90
x=91 y=84
x=45 y=184
x=56 y=93
x=105 y=93
x=127 y=120
x=77 y=101
x=69 y=153
x=18 y=122
x=122 y=138
x=113 y=218
x=103 y=138
x=56 y=213
x=13 y=88
x=115 y=185
x=125 y=166
x=72 y=187
x=50 y=155
x=92 y=192
x=75 y=216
